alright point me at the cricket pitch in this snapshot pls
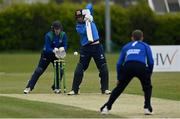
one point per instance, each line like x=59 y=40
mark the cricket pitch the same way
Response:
x=126 y=105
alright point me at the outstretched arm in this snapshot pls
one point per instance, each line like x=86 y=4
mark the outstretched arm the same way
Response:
x=150 y=60
x=90 y=8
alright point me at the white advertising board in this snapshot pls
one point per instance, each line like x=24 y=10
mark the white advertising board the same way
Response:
x=166 y=58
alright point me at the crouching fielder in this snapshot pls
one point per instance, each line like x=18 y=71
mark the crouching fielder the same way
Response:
x=90 y=48
x=54 y=48
x=135 y=61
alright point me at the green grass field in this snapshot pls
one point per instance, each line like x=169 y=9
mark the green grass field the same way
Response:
x=18 y=108
x=17 y=68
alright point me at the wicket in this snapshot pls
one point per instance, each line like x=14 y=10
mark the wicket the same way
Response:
x=59 y=74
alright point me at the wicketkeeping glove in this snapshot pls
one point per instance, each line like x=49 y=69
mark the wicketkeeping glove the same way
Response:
x=59 y=53
x=55 y=50
x=62 y=52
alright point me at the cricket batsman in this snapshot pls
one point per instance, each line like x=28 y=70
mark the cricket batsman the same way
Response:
x=90 y=48
x=54 y=48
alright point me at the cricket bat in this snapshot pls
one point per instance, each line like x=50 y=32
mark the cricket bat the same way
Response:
x=89 y=31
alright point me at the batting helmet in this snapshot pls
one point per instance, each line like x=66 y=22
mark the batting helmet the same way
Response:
x=78 y=13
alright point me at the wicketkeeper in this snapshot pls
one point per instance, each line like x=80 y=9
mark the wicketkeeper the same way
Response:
x=90 y=48
x=54 y=48
x=135 y=61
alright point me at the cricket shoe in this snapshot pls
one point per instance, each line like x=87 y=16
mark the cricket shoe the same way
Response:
x=107 y=92
x=27 y=90
x=72 y=93
x=148 y=111
x=57 y=91
x=104 y=110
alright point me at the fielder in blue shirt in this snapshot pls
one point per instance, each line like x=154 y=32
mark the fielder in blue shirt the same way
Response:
x=90 y=48
x=135 y=61
x=55 y=40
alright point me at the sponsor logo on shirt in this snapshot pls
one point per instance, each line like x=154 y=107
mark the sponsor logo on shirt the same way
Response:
x=133 y=51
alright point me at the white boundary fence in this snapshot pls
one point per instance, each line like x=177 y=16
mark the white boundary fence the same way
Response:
x=166 y=58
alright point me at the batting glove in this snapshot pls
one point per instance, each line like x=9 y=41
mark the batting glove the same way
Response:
x=88 y=17
x=86 y=11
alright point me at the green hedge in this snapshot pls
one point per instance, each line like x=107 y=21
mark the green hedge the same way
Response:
x=23 y=26
x=167 y=30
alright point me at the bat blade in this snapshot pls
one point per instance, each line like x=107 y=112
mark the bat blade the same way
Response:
x=89 y=31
